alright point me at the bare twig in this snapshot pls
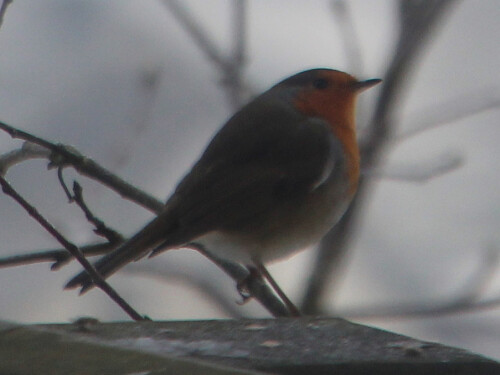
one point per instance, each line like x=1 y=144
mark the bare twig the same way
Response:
x=468 y=300
x=259 y=290
x=96 y=278
x=349 y=37
x=60 y=177
x=63 y=155
x=233 y=74
x=419 y=309
x=66 y=155
x=3 y=10
x=231 y=67
x=101 y=229
x=200 y=37
x=418 y=20
x=140 y=118
x=293 y=310
x=421 y=171
x=28 y=151
x=58 y=256
x=449 y=112
x=483 y=277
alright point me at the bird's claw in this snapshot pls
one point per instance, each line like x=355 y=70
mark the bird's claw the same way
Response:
x=243 y=290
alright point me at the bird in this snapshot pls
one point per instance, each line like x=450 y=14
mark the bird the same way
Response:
x=276 y=177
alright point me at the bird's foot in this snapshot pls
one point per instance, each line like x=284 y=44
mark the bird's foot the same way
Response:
x=242 y=286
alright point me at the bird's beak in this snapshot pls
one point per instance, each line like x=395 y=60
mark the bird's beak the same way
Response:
x=363 y=85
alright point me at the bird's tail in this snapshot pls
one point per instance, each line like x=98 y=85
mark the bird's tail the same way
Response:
x=135 y=248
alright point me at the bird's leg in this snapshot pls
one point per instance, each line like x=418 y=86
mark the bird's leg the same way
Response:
x=262 y=271
x=243 y=285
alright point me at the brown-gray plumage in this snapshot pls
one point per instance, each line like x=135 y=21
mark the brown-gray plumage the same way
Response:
x=273 y=180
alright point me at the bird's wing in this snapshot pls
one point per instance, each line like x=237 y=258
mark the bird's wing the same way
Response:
x=134 y=248
x=264 y=154
x=260 y=157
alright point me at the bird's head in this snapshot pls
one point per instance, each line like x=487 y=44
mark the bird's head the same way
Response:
x=328 y=94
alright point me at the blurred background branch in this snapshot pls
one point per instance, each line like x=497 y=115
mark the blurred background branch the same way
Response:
x=3 y=9
x=230 y=67
x=418 y=20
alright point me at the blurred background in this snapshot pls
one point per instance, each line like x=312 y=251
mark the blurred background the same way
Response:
x=141 y=87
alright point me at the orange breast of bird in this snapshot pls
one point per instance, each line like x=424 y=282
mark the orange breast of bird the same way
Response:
x=337 y=107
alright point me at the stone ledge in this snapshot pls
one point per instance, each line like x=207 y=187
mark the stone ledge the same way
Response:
x=284 y=346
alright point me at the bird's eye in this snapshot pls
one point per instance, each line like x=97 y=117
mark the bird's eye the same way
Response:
x=320 y=83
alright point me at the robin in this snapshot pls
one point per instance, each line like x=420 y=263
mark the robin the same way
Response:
x=275 y=178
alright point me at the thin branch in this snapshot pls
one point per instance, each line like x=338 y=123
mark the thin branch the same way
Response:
x=96 y=278
x=349 y=37
x=239 y=32
x=28 y=151
x=67 y=155
x=481 y=280
x=101 y=229
x=420 y=172
x=416 y=28
x=230 y=67
x=3 y=10
x=451 y=111
x=259 y=290
x=59 y=256
x=469 y=300
x=140 y=118
x=233 y=74
x=64 y=155
x=262 y=271
x=419 y=310
x=60 y=177
x=255 y=285
x=200 y=37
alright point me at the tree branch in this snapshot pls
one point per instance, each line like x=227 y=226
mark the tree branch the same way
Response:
x=62 y=155
x=468 y=300
x=421 y=171
x=101 y=229
x=231 y=67
x=418 y=19
x=349 y=37
x=3 y=10
x=59 y=256
x=28 y=151
x=96 y=278
x=451 y=111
